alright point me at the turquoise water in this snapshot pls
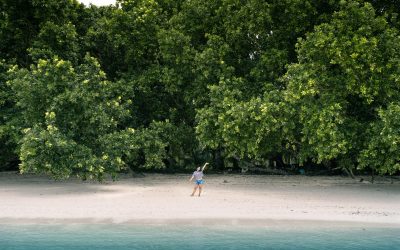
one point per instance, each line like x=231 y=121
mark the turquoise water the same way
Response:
x=122 y=237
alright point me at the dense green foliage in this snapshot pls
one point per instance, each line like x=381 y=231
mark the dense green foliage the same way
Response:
x=347 y=70
x=162 y=84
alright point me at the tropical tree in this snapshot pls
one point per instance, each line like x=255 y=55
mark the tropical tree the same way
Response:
x=70 y=119
x=8 y=156
x=347 y=71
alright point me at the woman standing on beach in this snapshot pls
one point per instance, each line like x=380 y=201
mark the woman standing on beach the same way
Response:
x=198 y=175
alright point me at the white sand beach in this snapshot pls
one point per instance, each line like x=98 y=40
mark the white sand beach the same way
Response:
x=226 y=198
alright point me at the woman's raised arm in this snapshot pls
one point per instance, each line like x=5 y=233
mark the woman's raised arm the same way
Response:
x=204 y=166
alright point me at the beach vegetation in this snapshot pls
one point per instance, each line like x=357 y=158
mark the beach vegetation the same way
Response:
x=157 y=85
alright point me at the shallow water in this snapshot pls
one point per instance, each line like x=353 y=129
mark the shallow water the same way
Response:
x=121 y=237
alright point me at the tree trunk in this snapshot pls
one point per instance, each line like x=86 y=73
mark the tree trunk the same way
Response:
x=372 y=175
x=219 y=163
x=349 y=172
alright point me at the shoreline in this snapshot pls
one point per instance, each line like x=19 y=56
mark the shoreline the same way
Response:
x=203 y=222
x=239 y=200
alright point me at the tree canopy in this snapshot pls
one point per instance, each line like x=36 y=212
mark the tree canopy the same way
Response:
x=91 y=91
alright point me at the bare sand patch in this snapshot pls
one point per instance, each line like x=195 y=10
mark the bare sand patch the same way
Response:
x=232 y=199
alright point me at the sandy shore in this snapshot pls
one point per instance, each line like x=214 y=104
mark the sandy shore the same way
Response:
x=236 y=199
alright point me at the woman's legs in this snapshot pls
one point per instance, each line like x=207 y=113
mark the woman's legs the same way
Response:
x=200 y=187
x=194 y=190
